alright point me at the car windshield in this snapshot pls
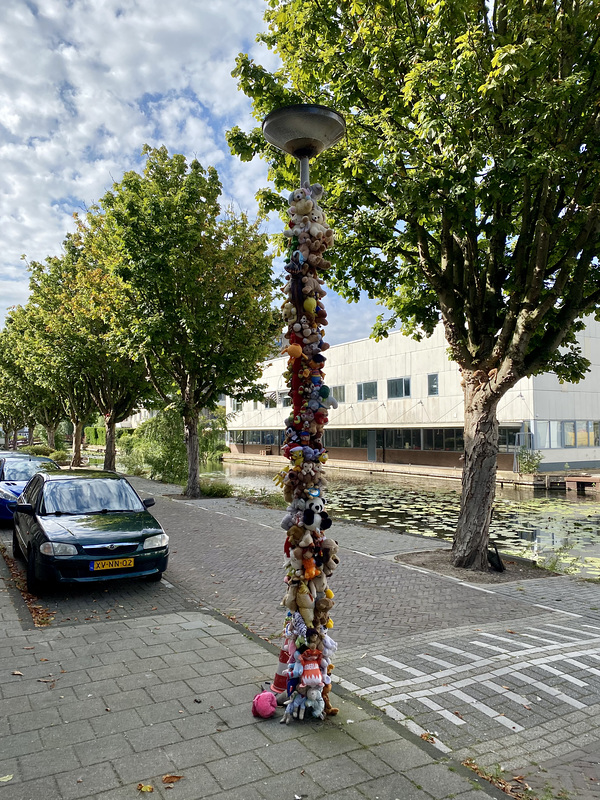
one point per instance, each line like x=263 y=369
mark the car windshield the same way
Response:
x=21 y=469
x=89 y=496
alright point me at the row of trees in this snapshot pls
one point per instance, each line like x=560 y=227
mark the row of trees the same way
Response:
x=158 y=296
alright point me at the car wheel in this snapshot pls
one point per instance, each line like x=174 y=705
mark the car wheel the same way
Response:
x=155 y=577
x=34 y=585
x=16 y=547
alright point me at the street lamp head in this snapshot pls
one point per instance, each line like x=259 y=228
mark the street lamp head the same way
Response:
x=303 y=130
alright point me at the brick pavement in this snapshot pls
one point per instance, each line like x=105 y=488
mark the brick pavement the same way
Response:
x=226 y=557
x=96 y=708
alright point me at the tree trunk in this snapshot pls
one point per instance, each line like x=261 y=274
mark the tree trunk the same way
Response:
x=15 y=439
x=77 y=437
x=111 y=443
x=30 y=431
x=51 y=434
x=190 y=420
x=479 y=478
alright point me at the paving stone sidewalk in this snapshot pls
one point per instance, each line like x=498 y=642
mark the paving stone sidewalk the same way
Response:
x=98 y=710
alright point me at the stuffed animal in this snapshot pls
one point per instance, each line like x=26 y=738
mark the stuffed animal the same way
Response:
x=330 y=710
x=329 y=549
x=311 y=671
x=264 y=705
x=315 y=703
x=315 y=517
x=294 y=707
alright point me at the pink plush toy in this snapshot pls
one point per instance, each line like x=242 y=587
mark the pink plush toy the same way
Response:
x=264 y=704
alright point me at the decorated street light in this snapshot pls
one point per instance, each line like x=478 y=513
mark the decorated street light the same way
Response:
x=303 y=677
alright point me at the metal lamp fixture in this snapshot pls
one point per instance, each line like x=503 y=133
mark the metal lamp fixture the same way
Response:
x=303 y=131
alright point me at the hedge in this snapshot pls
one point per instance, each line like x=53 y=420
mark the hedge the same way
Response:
x=95 y=435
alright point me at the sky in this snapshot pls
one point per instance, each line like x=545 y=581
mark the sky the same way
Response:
x=84 y=84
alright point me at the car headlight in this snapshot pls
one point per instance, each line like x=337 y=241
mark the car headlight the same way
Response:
x=58 y=549
x=6 y=495
x=152 y=542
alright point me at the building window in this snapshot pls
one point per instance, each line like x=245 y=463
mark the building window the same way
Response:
x=596 y=434
x=236 y=405
x=285 y=399
x=359 y=438
x=403 y=439
x=270 y=402
x=398 y=387
x=568 y=431
x=339 y=392
x=432 y=385
x=367 y=391
x=507 y=439
x=237 y=437
x=339 y=438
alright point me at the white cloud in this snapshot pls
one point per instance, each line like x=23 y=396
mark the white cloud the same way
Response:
x=85 y=83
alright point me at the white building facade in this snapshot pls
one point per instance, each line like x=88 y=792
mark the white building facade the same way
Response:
x=400 y=401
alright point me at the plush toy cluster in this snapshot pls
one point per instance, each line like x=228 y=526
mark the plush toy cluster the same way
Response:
x=310 y=556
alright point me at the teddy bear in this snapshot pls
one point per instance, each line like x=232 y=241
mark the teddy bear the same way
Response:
x=329 y=549
x=330 y=710
x=305 y=603
x=315 y=703
x=297 y=224
x=315 y=517
x=299 y=537
x=313 y=285
x=322 y=607
x=294 y=707
x=301 y=205
x=318 y=585
x=317 y=225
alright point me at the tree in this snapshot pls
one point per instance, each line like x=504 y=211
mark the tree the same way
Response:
x=64 y=339
x=39 y=404
x=467 y=188
x=198 y=283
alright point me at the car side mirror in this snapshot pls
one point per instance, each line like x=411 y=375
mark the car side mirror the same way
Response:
x=24 y=508
x=149 y=501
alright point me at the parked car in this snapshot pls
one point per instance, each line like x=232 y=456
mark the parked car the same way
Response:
x=82 y=525
x=14 y=474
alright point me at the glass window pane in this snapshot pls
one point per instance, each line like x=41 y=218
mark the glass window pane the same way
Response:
x=367 y=391
x=542 y=438
x=596 y=434
x=339 y=392
x=449 y=441
x=398 y=387
x=555 y=440
x=582 y=433
x=460 y=439
x=432 y=385
x=568 y=434
x=428 y=439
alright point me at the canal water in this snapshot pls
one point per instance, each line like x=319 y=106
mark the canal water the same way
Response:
x=534 y=524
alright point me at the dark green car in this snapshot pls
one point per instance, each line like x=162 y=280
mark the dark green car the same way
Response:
x=81 y=525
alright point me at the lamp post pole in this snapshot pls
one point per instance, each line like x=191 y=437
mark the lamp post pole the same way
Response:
x=303 y=679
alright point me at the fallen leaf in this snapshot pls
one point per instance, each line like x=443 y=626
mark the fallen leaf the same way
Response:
x=508 y=630
x=458 y=715
x=171 y=778
x=6 y=778
x=527 y=707
x=145 y=787
x=427 y=737
x=29 y=648
x=16 y=672
x=43 y=659
x=46 y=680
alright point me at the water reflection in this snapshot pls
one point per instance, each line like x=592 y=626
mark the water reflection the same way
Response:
x=524 y=523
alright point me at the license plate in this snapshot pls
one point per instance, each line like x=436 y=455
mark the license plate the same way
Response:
x=111 y=563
